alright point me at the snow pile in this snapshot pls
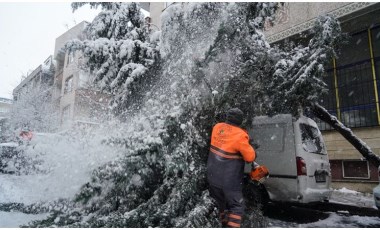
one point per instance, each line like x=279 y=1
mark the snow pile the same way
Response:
x=345 y=190
x=351 y=197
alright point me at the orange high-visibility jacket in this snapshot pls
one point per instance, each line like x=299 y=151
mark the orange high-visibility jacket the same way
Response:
x=229 y=149
x=231 y=142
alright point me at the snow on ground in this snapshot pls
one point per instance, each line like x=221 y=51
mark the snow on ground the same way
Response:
x=339 y=221
x=15 y=219
x=69 y=163
x=334 y=220
x=351 y=197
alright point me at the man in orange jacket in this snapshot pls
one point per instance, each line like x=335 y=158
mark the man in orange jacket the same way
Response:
x=229 y=150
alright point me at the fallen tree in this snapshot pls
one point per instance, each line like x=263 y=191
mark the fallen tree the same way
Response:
x=347 y=133
x=210 y=57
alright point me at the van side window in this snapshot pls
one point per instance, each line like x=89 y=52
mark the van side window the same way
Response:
x=311 y=139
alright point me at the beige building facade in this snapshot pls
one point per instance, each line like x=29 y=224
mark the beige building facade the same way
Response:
x=75 y=102
x=69 y=89
x=33 y=80
x=5 y=107
x=155 y=10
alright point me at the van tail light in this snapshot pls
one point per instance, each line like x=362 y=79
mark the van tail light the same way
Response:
x=301 y=166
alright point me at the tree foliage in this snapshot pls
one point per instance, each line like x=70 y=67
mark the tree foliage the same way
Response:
x=297 y=82
x=119 y=53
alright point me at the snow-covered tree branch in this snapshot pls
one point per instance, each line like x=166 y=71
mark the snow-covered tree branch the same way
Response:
x=347 y=133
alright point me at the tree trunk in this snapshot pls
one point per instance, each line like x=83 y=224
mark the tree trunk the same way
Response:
x=362 y=147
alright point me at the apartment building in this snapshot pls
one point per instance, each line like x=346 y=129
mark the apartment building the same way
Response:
x=76 y=103
x=5 y=108
x=40 y=77
x=155 y=9
x=32 y=99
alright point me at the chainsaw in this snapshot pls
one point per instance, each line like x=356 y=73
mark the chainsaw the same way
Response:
x=259 y=173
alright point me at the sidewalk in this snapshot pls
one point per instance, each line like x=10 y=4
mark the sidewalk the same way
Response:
x=354 y=198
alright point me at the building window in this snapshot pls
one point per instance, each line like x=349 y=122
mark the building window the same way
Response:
x=355 y=169
x=83 y=80
x=70 y=57
x=328 y=100
x=65 y=114
x=353 y=82
x=68 y=85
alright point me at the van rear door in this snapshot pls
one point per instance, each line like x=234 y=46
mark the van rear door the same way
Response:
x=275 y=137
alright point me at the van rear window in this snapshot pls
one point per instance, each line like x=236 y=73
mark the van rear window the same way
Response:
x=311 y=139
x=269 y=138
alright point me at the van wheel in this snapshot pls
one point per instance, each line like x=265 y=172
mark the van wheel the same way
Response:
x=256 y=196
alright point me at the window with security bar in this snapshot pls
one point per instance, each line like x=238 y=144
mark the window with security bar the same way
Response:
x=328 y=100
x=375 y=35
x=354 y=81
x=355 y=169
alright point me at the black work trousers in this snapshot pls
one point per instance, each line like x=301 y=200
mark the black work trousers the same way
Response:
x=230 y=204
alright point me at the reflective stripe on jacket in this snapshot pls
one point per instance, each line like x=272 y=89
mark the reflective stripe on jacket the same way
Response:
x=229 y=149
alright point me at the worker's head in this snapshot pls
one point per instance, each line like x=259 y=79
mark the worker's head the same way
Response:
x=235 y=116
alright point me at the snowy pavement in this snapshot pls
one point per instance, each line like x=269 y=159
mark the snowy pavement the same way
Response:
x=329 y=219
x=354 y=198
x=298 y=217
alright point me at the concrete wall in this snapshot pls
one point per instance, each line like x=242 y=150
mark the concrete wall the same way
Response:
x=73 y=33
x=156 y=9
x=69 y=69
x=360 y=187
x=294 y=13
x=5 y=107
x=66 y=70
x=339 y=148
x=296 y=17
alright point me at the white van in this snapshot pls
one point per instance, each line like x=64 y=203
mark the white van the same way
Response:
x=295 y=154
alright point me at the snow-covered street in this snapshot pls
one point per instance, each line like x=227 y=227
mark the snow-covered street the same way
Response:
x=67 y=166
x=354 y=198
x=303 y=217
x=329 y=220
x=17 y=190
